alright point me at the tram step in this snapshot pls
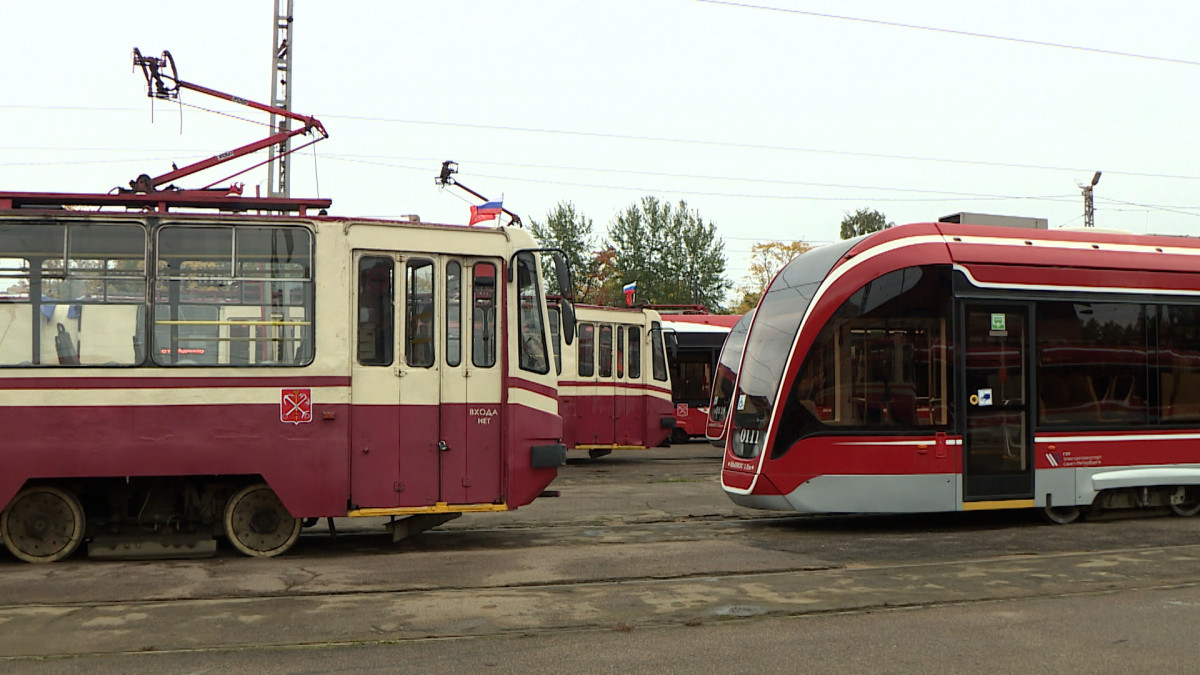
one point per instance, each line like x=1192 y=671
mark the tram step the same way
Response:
x=404 y=528
x=153 y=548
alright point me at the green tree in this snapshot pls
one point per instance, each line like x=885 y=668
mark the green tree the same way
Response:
x=863 y=221
x=571 y=231
x=766 y=259
x=672 y=254
x=603 y=285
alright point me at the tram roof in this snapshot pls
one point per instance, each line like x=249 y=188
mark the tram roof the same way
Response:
x=209 y=204
x=999 y=245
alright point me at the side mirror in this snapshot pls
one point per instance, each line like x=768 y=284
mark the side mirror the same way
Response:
x=562 y=274
x=568 y=321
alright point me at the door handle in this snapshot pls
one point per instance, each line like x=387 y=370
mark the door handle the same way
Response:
x=443 y=446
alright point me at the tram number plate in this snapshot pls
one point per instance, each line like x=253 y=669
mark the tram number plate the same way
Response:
x=295 y=405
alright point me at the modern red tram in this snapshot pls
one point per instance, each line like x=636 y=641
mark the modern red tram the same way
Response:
x=186 y=374
x=614 y=383
x=717 y=419
x=696 y=339
x=945 y=367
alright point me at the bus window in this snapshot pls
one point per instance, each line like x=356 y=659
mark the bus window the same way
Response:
x=418 y=323
x=659 y=352
x=635 y=352
x=483 y=315
x=211 y=279
x=375 y=311
x=453 y=313
x=587 y=348
x=604 y=352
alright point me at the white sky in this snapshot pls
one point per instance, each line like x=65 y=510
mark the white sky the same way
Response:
x=772 y=124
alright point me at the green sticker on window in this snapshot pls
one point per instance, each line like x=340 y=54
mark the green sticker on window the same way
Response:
x=998 y=322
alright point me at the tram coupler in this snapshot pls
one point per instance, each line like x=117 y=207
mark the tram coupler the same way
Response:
x=410 y=526
x=550 y=493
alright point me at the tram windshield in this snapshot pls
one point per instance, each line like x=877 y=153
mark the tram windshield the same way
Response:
x=726 y=376
x=772 y=336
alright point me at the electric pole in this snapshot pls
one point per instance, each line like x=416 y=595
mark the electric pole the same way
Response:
x=281 y=97
x=1089 y=213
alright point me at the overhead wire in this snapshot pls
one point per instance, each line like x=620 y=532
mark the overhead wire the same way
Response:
x=756 y=146
x=743 y=195
x=703 y=142
x=951 y=31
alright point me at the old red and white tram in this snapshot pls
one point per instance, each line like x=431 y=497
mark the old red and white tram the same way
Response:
x=614 y=384
x=943 y=367
x=177 y=373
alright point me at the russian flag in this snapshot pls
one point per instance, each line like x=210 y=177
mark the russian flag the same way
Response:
x=629 y=289
x=486 y=211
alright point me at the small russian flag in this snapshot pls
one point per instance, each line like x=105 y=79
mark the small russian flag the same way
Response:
x=485 y=211
x=629 y=289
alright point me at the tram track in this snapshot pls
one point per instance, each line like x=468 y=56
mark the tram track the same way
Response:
x=391 y=614
x=613 y=555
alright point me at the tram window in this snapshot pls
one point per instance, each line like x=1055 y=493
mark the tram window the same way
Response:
x=556 y=337
x=1091 y=363
x=532 y=330
x=418 y=321
x=85 y=282
x=691 y=377
x=1179 y=363
x=483 y=315
x=635 y=352
x=376 y=309
x=208 y=277
x=658 y=352
x=880 y=363
x=453 y=313
x=587 y=349
x=239 y=342
x=604 y=351
x=620 y=351
x=272 y=253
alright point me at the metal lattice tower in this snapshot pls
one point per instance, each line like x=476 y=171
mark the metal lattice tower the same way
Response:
x=281 y=96
x=1089 y=210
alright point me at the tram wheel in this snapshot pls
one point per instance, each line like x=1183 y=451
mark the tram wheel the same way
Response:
x=1061 y=515
x=42 y=524
x=1191 y=506
x=258 y=524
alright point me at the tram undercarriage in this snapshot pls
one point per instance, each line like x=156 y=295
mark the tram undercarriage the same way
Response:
x=146 y=517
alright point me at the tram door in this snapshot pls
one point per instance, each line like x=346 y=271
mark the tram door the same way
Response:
x=471 y=382
x=425 y=381
x=628 y=406
x=608 y=399
x=997 y=439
